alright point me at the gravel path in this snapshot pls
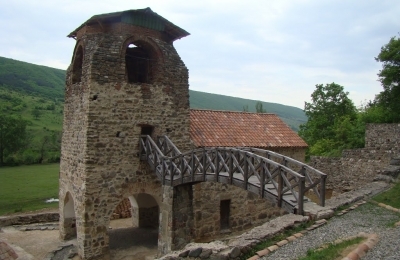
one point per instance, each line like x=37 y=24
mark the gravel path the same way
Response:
x=367 y=218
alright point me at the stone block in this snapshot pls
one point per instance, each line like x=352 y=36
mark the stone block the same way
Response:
x=273 y=248
x=263 y=252
x=254 y=257
x=321 y=221
x=205 y=254
x=184 y=253
x=195 y=252
x=235 y=252
x=282 y=243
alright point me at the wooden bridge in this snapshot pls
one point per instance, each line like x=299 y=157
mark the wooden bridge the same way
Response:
x=273 y=176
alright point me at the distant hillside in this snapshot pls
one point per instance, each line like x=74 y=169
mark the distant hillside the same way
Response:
x=25 y=87
x=32 y=79
x=292 y=116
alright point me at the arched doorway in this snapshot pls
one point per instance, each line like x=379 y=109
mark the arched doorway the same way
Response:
x=137 y=235
x=69 y=224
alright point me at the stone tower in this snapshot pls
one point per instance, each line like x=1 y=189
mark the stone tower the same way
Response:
x=125 y=79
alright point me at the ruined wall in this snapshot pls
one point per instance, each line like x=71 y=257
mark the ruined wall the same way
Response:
x=359 y=166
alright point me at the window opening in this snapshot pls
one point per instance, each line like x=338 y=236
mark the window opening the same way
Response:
x=224 y=211
x=77 y=66
x=146 y=130
x=137 y=61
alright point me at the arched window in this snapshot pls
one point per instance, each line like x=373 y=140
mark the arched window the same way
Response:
x=138 y=64
x=77 y=66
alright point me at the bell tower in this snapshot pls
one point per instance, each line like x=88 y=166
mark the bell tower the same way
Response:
x=125 y=79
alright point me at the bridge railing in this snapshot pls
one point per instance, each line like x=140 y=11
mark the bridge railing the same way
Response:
x=259 y=173
x=244 y=169
x=167 y=147
x=315 y=179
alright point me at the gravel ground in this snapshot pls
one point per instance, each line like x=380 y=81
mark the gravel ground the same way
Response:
x=367 y=218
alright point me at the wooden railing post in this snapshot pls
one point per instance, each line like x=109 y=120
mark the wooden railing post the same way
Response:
x=231 y=166
x=181 y=166
x=280 y=187
x=216 y=165
x=204 y=164
x=245 y=170
x=262 y=181
x=322 y=191
x=300 y=202
x=163 y=174
x=171 y=174
x=192 y=166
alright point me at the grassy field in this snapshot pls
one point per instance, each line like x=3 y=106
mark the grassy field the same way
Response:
x=26 y=188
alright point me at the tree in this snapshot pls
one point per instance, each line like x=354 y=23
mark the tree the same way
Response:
x=47 y=144
x=389 y=76
x=246 y=108
x=329 y=115
x=12 y=135
x=259 y=107
x=36 y=113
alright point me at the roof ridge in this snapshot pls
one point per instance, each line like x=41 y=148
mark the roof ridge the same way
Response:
x=230 y=111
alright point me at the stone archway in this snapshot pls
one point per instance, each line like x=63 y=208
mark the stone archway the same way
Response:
x=69 y=223
x=136 y=236
x=149 y=211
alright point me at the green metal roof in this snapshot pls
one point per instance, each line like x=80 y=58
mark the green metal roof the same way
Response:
x=140 y=17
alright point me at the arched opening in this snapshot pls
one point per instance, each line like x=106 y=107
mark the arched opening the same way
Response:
x=148 y=211
x=77 y=65
x=69 y=224
x=134 y=230
x=139 y=63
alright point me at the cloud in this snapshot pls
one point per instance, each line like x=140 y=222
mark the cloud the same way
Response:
x=273 y=51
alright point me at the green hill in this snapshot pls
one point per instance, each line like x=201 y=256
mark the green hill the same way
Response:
x=25 y=86
x=30 y=79
x=36 y=94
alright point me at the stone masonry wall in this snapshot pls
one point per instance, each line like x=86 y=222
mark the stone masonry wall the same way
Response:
x=359 y=166
x=297 y=153
x=246 y=210
x=103 y=118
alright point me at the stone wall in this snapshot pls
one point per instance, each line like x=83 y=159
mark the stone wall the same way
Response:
x=359 y=166
x=297 y=153
x=246 y=210
x=26 y=219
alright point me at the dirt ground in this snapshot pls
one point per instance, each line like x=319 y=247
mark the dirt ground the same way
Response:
x=126 y=242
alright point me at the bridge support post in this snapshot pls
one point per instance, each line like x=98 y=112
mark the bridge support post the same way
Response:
x=176 y=218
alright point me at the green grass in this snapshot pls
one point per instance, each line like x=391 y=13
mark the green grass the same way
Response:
x=332 y=251
x=390 y=197
x=25 y=188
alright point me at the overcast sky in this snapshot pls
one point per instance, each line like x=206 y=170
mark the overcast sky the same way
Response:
x=274 y=51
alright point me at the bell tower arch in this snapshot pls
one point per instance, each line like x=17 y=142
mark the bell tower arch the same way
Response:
x=125 y=77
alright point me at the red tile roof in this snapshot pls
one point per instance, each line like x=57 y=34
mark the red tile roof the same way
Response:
x=210 y=128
